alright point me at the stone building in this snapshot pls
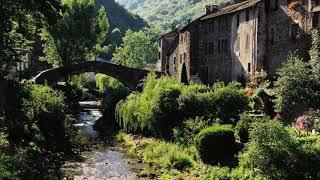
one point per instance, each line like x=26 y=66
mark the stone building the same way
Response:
x=235 y=41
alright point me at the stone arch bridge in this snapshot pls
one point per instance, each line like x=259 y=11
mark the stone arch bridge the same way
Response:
x=129 y=76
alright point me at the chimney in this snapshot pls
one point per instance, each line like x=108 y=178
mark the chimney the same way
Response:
x=189 y=21
x=211 y=9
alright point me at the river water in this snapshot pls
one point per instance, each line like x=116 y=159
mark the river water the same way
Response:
x=102 y=162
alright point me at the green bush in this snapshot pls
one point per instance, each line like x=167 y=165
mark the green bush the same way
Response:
x=242 y=128
x=296 y=88
x=216 y=144
x=230 y=102
x=47 y=111
x=155 y=110
x=270 y=152
x=113 y=92
x=185 y=133
x=168 y=156
x=224 y=103
x=213 y=172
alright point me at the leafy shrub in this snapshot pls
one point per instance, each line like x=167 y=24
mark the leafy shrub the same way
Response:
x=113 y=92
x=45 y=108
x=231 y=102
x=189 y=129
x=242 y=128
x=270 y=152
x=79 y=82
x=216 y=144
x=155 y=110
x=167 y=155
x=296 y=87
x=224 y=103
x=164 y=104
x=213 y=172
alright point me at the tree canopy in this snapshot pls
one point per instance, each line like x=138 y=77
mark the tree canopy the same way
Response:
x=78 y=36
x=137 y=50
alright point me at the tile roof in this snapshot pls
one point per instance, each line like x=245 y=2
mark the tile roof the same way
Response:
x=231 y=9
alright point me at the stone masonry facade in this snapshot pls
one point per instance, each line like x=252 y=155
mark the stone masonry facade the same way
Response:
x=237 y=40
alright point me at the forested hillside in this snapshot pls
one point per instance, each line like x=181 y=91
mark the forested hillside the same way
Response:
x=121 y=18
x=166 y=12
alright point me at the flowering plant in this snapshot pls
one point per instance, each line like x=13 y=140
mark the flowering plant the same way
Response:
x=304 y=123
x=278 y=117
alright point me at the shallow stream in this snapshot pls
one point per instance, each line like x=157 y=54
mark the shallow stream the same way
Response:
x=102 y=162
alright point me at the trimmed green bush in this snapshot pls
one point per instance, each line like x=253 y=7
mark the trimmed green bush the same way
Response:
x=216 y=144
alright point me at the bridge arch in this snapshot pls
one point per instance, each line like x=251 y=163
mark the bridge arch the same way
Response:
x=129 y=76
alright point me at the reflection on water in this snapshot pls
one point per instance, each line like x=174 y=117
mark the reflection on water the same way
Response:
x=99 y=164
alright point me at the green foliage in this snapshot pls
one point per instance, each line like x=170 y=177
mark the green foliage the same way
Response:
x=230 y=102
x=164 y=104
x=137 y=50
x=189 y=129
x=216 y=144
x=224 y=103
x=18 y=23
x=46 y=110
x=177 y=12
x=154 y=110
x=270 y=151
x=213 y=172
x=78 y=36
x=79 y=82
x=315 y=53
x=113 y=91
x=296 y=88
x=168 y=156
x=243 y=127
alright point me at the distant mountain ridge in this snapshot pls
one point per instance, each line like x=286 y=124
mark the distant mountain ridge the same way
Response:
x=166 y=12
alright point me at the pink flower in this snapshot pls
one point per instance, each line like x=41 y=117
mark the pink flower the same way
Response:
x=278 y=117
x=304 y=123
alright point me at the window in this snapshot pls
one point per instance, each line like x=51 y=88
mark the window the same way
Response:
x=181 y=38
x=247 y=15
x=315 y=20
x=205 y=48
x=211 y=26
x=274 y=5
x=174 y=60
x=159 y=54
x=211 y=48
x=272 y=36
x=180 y=58
x=294 y=31
x=225 y=45
x=249 y=67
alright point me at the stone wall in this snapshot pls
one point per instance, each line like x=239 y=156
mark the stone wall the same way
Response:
x=286 y=30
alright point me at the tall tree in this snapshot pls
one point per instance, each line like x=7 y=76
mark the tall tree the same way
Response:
x=78 y=36
x=19 y=20
x=137 y=50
